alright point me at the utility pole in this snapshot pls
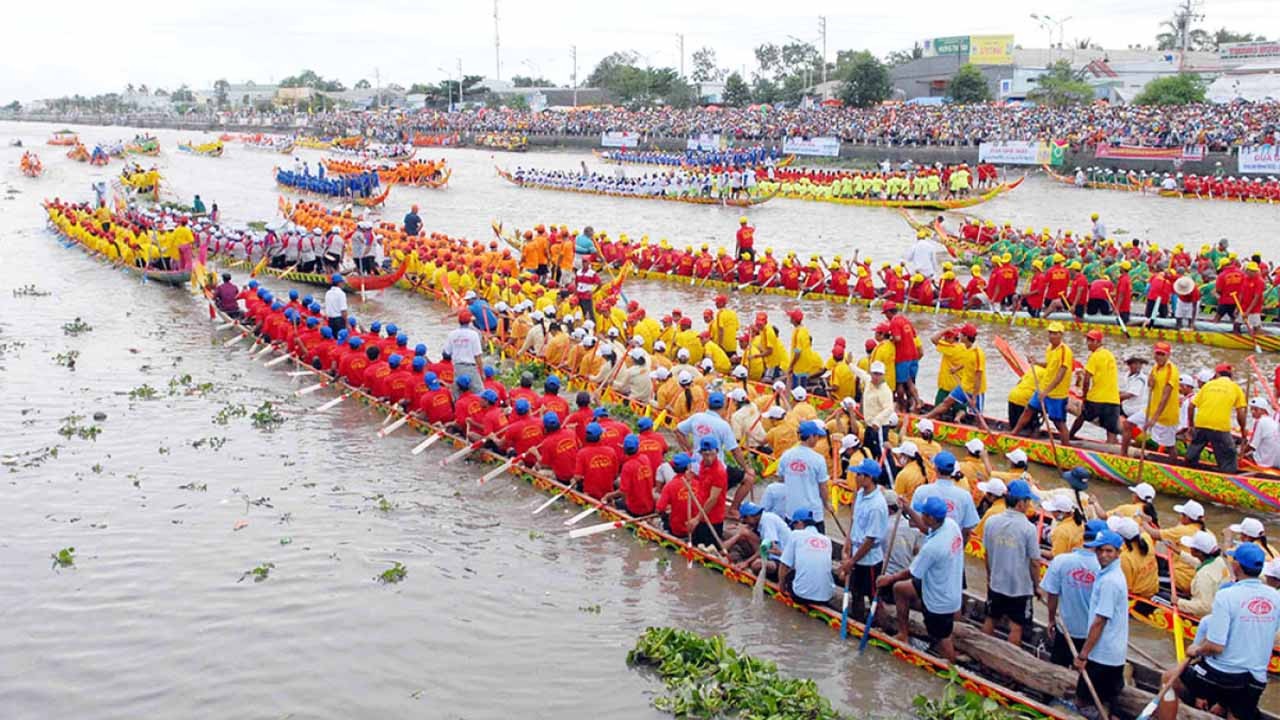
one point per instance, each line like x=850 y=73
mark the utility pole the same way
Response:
x=497 y=53
x=459 y=83
x=1185 y=16
x=680 y=43
x=573 y=51
x=377 y=88
x=822 y=30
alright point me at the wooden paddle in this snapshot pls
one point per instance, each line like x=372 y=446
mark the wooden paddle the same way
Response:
x=393 y=426
x=875 y=600
x=1151 y=707
x=1119 y=317
x=607 y=526
x=332 y=403
x=1178 y=639
x=497 y=471
x=581 y=516
x=1253 y=332
x=1102 y=710
x=422 y=446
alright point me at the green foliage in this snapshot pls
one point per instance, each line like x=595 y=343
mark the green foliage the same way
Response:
x=895 y=58
x=956 y=703
x=511 y=376
x=968 y=85
x=705 y=68
x=66 y=557
x=522 y=81
x=866 y=81
x=71 y=427
x=143 y=392
x=785 y=72
x=30 y=291
x=706 y=678
x=361 y=84
x=736 y=91
x=1180 y=89
x=76 y=327
x=308 y=78
x=228 y=412
x=393 y=574
x=67 y=359
x=260 y=573
x=266 y=417
x=1060 y=86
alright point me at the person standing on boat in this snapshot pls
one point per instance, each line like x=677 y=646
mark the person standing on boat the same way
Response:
x=906 y=356
x=921 y=256
x=1264 y=444
x=1160 y=415
x=745 y=240
x=466 y=350
x=1101 y=390
x=1012 y=562
x=864 y=549
x=1102 y=657
x=1051 y=397
x=1067 y=585
x=226 y=298
x=1210 y=416
x=804 y=472
x=412 y=222
x=805 y=573
x=1228 y=661
x=335 y=305
x=933 y=582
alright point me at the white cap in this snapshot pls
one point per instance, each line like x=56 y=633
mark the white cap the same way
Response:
x=1202 y=540
x=1260 y=403
x=662 y=373
x=685 y=378
x=849 y=441
x=1191 y=509
x=706 y=365
x=613 y=332
x=848 y=403
x=502 y=307
x=636 y=354
x=637 y=341
x=1144 y=491
x=994 y=486
x=536 y=315
x=1187 y=380
x=799 y=393
x=907 y=448
x=974 y=445
x=590 y=324
x=588 y=341
x=469 y=295
x=606 y=350
x=1272 y=569
x=877 y=367
x=682 y=354
x=775 y=412
x=924 y=425
x=1204 y=376
x=1018 y=456
x=1126 y=527
x=779 y=386
x=1250 y=527
x=551 y=311
x=740 y=372
x=1058 y=502
x=659 y=346
x=738 y=395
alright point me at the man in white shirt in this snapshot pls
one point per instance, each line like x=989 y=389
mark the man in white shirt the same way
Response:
x=920 y=256
x=1264 y=443
x=466 y=351
x=335 y=305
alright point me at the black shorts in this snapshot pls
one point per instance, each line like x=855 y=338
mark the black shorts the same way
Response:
x=1099 y=306
x=1107 y=415
x=863 y=583
x=1108 y=680
x=702 y=534
x=735 y=474
x=1060 y=654
x=1227 y=311
x=1015 y=411
x=1237 y=692
x=939 y=626
x=1016 y=609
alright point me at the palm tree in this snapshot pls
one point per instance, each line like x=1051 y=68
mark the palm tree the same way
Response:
x=1171 y=39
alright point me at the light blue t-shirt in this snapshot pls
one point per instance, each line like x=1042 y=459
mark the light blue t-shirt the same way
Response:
x=808 y=554
x=959 y=502
x=1010 y=540
x=583 y=245
x=870 y=520
x=940 y=568
x=1070 y=576
x=775 y=498
x=774 y=530
x=707 y=424
x=803 y=470
x=1110 y=599
x=1245 y=617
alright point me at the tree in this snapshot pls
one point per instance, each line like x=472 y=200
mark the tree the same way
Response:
x=14 y=106
x=865 y=81
x=220 y=88
x=968 y=85
x=517 y=102
x=142 y=89
x=245 y=100
x=736 y=92
x=893 y=59
x=608 y=71
x=1180 y=89
x=529 y=81
x=1223 y=36
x=1060 y=86
x=1171 y=38
x=704 y=66
x=764 y=90
x=129 y=88
x=362 y=84
x=182 y=94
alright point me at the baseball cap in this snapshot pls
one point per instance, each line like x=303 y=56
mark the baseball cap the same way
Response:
x=1191 y=509
x=1077 y=477
x=934 y=507
x=1018 y=456
x=1106 y=538
x=1094 y=335
x=708 y=444
x=924 y=425
x=809 y=429
x=749 y=509
x=945 y=462
x=1250 y=527
x=1021 y=490
x=680 y=462
x=1093 y=527
x=1057 y=502
x=1144 y=491
x=1202 y=540
x=974 y=445
x=631 y=443
x=877 y=367
x=1055 y=327
x=907 y=448
x=1260 y=403
x=849 y=442
x=1125 y=527
x=715 y=400
x=994 y=486
x=802 y=515
x=867 y=467
x=799 y=393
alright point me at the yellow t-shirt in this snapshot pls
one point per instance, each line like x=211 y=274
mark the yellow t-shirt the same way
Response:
x=971 y=362
x=884 y=353
x=1161 y=378
x=949 y=369
x=1104 y=383
x=1183 y=571
x=1215 y=403
x=1067 y=535
x=806 y=361
x=724 y=330
x=1056 y=359
x=909 y=479
x=843 y=382
x=1026 y=387
x=1141 y=571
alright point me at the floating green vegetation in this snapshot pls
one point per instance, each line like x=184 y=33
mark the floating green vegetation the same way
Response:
x=67 y=359
x=956 y=703
x=260 y=573
x=393 y=574
x=266 y=417
x=229 y=411
x=511 y=376
x=214 y=443
x=71 y=427
x=76 y=327
x=593 y=609
x=66 y=557
x=30 y=291
x=385 y=505
x=194 y=487
x=143 y=392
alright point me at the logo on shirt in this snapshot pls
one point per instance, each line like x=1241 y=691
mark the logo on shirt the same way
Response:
x=956 y=544
x=701 y=429
x=797 y=466
x=1260 y=606
x=818 y=543
x=1083 y=576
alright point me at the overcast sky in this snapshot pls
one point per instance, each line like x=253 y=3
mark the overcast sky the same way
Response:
x=90 y=46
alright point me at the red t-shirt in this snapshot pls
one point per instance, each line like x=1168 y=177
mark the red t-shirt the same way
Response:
x=523 y=434
x=653 y=446
x=597 y=465
x=636 y=484
x=468 y=406
x=904 y=339
x=559 y=451
x=712 y=475
x=555 y=404
x=436 y=405
x=677 y=500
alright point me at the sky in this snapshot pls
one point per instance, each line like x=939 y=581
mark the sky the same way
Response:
x=90 y=47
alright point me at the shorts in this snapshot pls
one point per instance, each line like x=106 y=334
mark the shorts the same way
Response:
x=1107 y=415
x=1182 y=309
x=863 y=583
x=939 y=626
x=1227 y=311
x=702 y=534
x=1253 y=320
x=1015 y=411
x=962 y=398
x=1060 y=654
x=941 y=395
x=906 y=370
x=1056 y=409
x=1016 y=609
x=1232 y=691
x=1108 y=680
x=1163 y=435
x=735 y=475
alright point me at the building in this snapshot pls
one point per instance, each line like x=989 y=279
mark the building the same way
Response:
x=541 y=98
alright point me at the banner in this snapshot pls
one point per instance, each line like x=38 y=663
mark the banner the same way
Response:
x=705 y=141
x=991 y=49
x=954 y=45
x=818 y=146
x=1249 y=50
x=1133 y=152
x=619 y=139
x=1260 y=159
x=1021 y=152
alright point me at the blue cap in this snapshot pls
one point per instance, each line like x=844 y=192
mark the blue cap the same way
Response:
x=708 y=444
x=715 y=400
x=375 y=326
x=680 y=462
x=392 y=329
x=945 y=462
x=351 y=321
x=394 y=360
x=749 y=509
x=463 y=381
x=420 y=350
x=403 y=340
x=356 y=342
x=803 y=514
x=343 y=334
x=431 y=377
x=868 y=467
x=1108 y=538
x=312 y=322
x=489 y=396
x=326 y=332
x=594 y=431
x=1250 y=556
x=314 y=307
x=419 y=363
x=631 y=443
x=336 y=279
x=253 y=284
x=489 y=371
x=522 y=407
x=809 y=429
x=551 y=382
x=293 y=294
x=1078 y=477
x=550 y=420
x=644 y=424
x=277 y=306
x=1093 y=527
x=1020 y=490
x=308 y=300
x=934 y=507
x=600 y=412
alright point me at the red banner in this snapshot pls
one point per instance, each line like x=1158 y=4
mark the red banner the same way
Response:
x=1134 y=152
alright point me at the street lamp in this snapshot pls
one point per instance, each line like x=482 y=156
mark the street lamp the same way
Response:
x=1048 y=24
x=446 y=78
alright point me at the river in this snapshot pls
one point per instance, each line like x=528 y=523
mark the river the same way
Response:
x=500 y=613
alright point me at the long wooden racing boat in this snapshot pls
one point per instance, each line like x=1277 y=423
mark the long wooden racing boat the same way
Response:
x=174 y=278
x=209 y=149
x=1127 y=186
x=351 y=283
x=371 y=201
x=1193 y=196
x=952 y=204
x=605 y=158
x=1043 y=683
x=729 y=202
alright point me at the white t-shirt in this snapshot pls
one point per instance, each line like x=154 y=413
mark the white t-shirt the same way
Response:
x=1136 y=384
x=1266 y=442
x=464 y=345
x=335 y=302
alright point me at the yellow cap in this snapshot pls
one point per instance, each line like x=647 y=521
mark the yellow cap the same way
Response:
x=1252 y=267
x=1037 y=264
x=947 y=265
x=948 y=275
x=742 y=220
x=1075 y=265
x=1125 y=265
x=1007 y=257
x=975 y=269
x=1093 y=216
x=917 y=278
x=1055 y=327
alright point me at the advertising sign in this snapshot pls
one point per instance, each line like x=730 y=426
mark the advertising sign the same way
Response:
x=1020 y=152
x=705 y=141
x=1260 y=159
x=818 y=146
x=619 y=139
x=991 y=49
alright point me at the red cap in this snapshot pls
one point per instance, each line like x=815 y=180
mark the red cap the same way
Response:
x=1223 y=368
x=704 y=335
x=883 y=328
x=969 y=330
x=870 y=345
x=633 y=306
x=721 y=300
x=676 y=313
x=686 y=322
x=465 y=316
x=666 y=319
x=796 y=315
x=1163 y=347
x=837 y=352
x=951 y=333
x=708 y=314
x=1094 y=335
x=890 y=305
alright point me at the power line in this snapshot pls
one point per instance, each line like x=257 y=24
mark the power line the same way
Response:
x=822 y=30
x=497 y=53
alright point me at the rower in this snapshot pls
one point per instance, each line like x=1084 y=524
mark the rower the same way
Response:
x=1210 y=418
x=1101 y=389
x=595 y=464
x=805 y=574
x=1230 y=656
x=1053 y=390
x=335 y=304
x=877 y=406
x=1012 y=562
x=635 y=493
x=932 y=583
x=226 y=298
x=1102 y=656
x=1264 y=443
x=1160 y=417
x=1202 y=551
x=864 y=550
x=804 y=471
x=1137 y=557
x=1067 y=585
x=711 y=423
x=760 y=530
x=710 y=487
x=676 y=502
